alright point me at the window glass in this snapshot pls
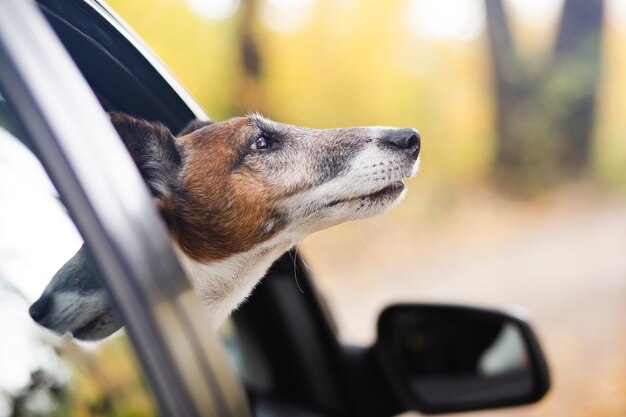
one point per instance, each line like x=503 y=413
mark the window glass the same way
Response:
x=41 y=373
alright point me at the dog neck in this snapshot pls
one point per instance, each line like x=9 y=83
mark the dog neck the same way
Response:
x=223 y=285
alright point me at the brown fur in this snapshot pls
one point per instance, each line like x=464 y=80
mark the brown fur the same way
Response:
x=225 y=207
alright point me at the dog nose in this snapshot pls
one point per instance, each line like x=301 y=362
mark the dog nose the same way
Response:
x=407 y=140
x=40 y=308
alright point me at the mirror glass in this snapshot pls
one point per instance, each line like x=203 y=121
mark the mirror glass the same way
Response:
x=452 y=358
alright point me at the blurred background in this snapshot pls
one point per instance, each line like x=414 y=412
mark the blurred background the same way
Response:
x=520 y=201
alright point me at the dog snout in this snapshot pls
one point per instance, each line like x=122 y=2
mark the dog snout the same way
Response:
x=40 y=308
x=406 y=140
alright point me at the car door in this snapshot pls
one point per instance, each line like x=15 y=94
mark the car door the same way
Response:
x=48 y=106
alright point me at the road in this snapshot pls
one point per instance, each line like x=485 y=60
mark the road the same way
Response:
x=564 y=263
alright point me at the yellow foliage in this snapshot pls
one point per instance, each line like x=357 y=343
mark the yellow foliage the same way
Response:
x=609 y=161
x=355 y=63
x=107 y=380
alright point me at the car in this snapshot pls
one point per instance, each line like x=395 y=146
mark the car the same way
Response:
x=63 y=63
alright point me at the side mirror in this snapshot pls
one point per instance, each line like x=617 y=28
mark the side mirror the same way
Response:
x=449 y=358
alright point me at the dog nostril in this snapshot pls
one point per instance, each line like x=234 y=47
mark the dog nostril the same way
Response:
x=413 y=142
x=40 y=308
x=407 y=140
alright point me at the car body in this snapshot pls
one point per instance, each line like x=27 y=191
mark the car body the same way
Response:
x=285 y=345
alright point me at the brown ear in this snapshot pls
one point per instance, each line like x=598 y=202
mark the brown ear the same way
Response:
x=154 y=150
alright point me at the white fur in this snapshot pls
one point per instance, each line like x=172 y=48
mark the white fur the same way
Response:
x=370 y=171
x=71 y=310
x=223 y=286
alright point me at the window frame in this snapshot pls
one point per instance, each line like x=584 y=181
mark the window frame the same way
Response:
x=69 y=132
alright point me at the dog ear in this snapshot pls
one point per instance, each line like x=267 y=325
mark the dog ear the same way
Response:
x=193 y=126
x=154 y=150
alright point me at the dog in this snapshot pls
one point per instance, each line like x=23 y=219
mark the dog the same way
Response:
x=236 y=195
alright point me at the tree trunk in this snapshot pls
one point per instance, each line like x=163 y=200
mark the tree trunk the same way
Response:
x=578 y=47
x=545 y=119
x=502 y=61
x=249 y=83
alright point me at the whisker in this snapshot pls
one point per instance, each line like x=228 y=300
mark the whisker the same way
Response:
x=295 y=267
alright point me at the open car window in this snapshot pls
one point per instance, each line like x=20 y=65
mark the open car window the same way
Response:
x=59 y=119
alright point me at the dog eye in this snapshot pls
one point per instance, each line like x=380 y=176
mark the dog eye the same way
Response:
x=261 y=143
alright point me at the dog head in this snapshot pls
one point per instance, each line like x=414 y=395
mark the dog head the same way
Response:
x=249 y=179
x=76 y=300
x=225 y=188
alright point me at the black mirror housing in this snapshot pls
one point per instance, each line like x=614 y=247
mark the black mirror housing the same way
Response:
x=445 y=358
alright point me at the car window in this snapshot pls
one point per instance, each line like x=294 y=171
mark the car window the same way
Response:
x=111 y=206
x=44 y=374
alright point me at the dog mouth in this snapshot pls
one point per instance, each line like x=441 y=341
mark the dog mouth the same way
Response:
x=102 y=326
x=390 y=192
